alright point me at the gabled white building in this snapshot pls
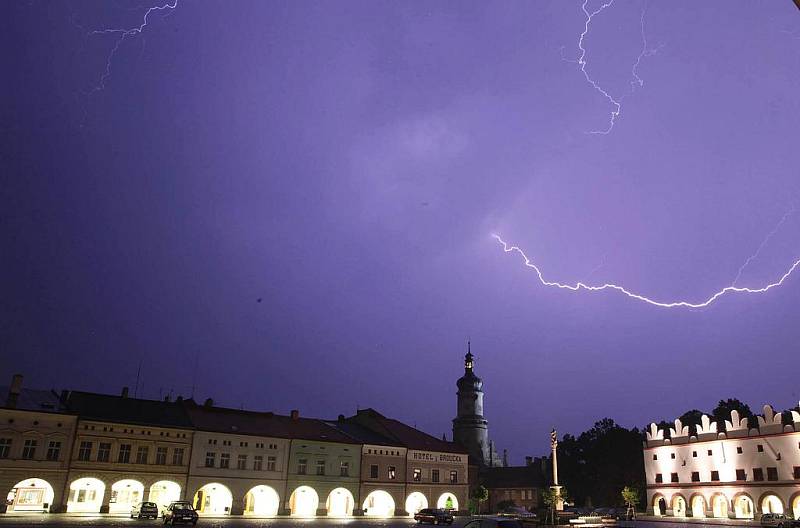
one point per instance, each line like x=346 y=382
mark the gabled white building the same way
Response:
x=741 y=473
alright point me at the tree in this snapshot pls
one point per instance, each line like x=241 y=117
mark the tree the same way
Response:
x=551 y=497
x=723 y=410
x=631 y=498
x=478 y=495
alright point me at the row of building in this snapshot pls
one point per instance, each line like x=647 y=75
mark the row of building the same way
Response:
x=97 y=453
x=738 y=471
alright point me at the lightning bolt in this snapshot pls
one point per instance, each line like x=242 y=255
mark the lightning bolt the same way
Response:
x=764 y=242
x=122 y=35
x=673 y=304
x=582 y=63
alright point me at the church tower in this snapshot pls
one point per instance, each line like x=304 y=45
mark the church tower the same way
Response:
x=470 y=428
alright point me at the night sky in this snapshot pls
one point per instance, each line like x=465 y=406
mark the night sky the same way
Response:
x=289 y=204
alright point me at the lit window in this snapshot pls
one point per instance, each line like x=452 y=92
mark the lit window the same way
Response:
x=5 y=447
x=454 y=477
x=271 y=460
x=434 y=475
x=373 y=471
x=29 y=449
x=302 y=465
x=161 y=456
x=141 y=455
x=258 y=462
x=344 y=469
x=392 y=473
x=85 y=451
x=104 y=452
x=225 y=460
x=211 y=459
x=177 y=456
x=53 y=450
x=417 y=474
x=124 y=455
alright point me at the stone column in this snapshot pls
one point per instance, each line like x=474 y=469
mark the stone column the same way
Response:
x=555 y=487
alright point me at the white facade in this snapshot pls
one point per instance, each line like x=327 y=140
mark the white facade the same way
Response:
x=740 y=473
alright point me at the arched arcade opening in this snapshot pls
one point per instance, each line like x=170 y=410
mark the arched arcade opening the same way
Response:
x=698 y=506
x=659 y=505
x=30 y=495
x=771 y=503
x=85 y=495
x=447 y=501
x=379 y=504
x=163 y=492
x=124 y=495
x=340 y=503
x=213 y=499
x=416 y=502
x=678 y=506
x=743 y=506
x=262 y=500
x=719 y=506
x=304 y=502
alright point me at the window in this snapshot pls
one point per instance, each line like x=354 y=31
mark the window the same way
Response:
x=797 y=472
x=85 y=451
x=344 y=469
x=225 y=460
x=271 y=460
x=715 y=476
x=373 y=471
x=741 y=475
x=695 y=476
x=177 y=456
x=29 y=449
x=772 y=473
x=739 y=450
x=5 y=447
x=417 y=474
x=760 y=448
x=211 y=459
x=392 y=474
x=655 y=457
x=161 y=456
x=258 y=462
x=320 y=467
x=242 y=444
x=53 y=450
x=659 y=478
x=434 y=475
x=758 y=474
x=141 y=455
x=104 y=452
x=454 y=477
x=672 y=456
x=241 y=462
x=694 y=454
x=710 y=452
x=124 y=455
x=673 y=477
x=302 y=465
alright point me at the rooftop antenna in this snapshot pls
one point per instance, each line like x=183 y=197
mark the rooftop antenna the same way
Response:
x=138 y=373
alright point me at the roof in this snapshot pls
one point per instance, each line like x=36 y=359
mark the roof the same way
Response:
x=513 y=477
x=402 y=434
x=235 y=421
x=119 y=409
x=33 y=400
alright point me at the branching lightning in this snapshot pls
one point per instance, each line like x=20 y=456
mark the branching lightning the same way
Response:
x=764 y=242
x=673 y=304
x=582 y=63
x=122 y=35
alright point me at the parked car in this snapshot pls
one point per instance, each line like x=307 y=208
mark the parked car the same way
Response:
x=777 y=520
x=180 y=512
x=433 y=516
x=494 y=522
x=145 y=510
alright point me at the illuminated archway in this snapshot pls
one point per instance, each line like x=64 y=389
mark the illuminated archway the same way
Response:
x=163 y=492
x=659 y=505
x=719 y=506
x=678 y=506
x=771 y=503
x=743 y=506
x=796 y=506
x=416 y=502
x=304 y=502
x=124 y=495
x=86 y=495
x=262 y=500
x=698 y=506
x=447 y=501
x=340 y=503
x=379 y=504
x=30 y=495
x=213 y=499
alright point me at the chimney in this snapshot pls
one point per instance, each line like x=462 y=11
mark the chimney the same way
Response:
x=505 y=457
x=124 y=392
x=64 y=396
x=295 y=414
x=14 y=390
x=208 y=403
x=528 y=460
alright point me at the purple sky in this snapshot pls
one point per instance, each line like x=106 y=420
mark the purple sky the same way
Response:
x=346 y=162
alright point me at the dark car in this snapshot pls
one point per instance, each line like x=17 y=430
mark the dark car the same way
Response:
x=145 y=510
x=180 y=512
x=433 y=516
x=776 y=520
x=494 y=522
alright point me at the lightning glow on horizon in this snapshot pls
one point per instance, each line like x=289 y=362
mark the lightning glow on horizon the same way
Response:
x=123 y=34
x=639 y=297
x=582 y=63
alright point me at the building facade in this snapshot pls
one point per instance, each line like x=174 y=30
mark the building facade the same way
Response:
x=740 y=472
